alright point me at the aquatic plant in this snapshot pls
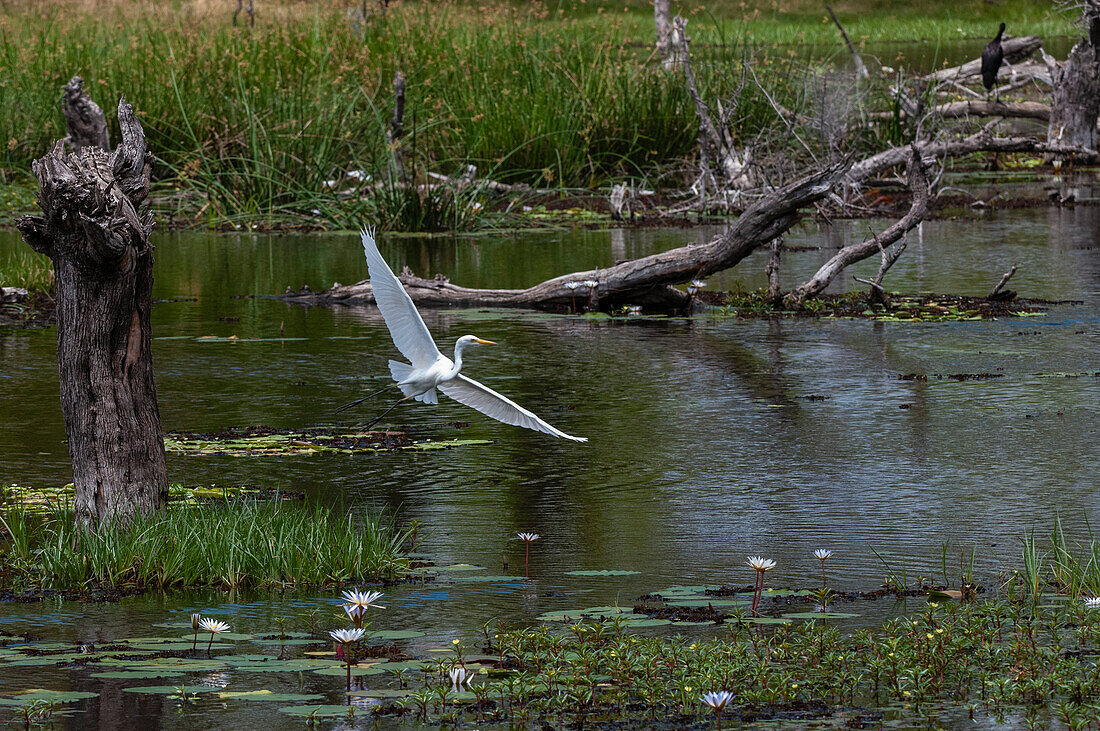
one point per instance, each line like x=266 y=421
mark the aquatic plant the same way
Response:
x=230 y=545
x=196 y=620
x=528 y=539
x=821 y=554
x=358 y=602
x=760 y=565
x=459 y=676
x=214 y=627
x=717 y=700
x=347 y=639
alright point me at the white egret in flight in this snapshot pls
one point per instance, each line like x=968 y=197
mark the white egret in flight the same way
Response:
x=431 y=371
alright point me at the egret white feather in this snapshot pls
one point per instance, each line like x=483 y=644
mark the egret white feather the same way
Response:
x=430 y=371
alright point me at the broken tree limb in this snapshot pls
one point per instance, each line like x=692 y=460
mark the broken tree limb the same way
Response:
x=960 y=109
x=1015 y=50
x=918 y=184
x=662 y=18
x=981 y=142
x=95 y=227
x=84 y=120
x=1075 y=101
x=713 y=138
x=775 y=294
x=1007 y=294
x=644 y=281
x=877 y=292
x=861 y=70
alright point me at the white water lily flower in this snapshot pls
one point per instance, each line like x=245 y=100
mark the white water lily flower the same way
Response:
x=634 y=310
x=347 y=636
x=364 y=600
x=195 y=619
x=761 y=564
x=1092 y=602
x=698 y=283
x=591 y=283
x=821 y=554
x=527 y=537
x=717 y=699
x=458 y=677
x=213 y=626
x=571 y=285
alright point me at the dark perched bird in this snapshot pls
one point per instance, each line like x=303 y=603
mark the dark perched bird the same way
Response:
x=992 y=55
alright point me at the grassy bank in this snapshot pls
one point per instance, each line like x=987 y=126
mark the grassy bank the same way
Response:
x=253 y=124
x=233 y=545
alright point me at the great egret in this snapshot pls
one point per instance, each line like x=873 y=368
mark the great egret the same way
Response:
x=431 y=371
x=992 y=56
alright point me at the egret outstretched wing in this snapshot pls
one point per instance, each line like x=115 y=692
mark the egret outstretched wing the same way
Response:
x=407 y=329
x=473 y=394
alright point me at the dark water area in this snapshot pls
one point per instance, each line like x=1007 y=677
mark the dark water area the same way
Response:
x=705 y=446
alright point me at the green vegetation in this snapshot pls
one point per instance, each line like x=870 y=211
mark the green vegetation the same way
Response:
x=27 y=269
x=231 y=545
x=254 y=123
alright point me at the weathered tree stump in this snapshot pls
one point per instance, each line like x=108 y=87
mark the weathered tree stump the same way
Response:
x=1075 y=102
x=95 y=227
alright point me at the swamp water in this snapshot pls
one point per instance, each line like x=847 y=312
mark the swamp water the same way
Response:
x=709 y=436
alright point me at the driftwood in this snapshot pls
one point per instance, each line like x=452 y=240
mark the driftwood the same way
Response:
x=999 y=292
x=646 y=281
x=95 y=226
x=84 y=120
x=918 y=184
x=1015 y=50
x=890 y=256
x=960 y=109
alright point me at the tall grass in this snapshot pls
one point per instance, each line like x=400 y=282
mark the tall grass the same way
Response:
x=1059 y=567
x=250 y=123
x=24 y=268
x=235 y=545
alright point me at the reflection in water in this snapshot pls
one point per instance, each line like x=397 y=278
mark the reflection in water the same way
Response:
x=711 y=438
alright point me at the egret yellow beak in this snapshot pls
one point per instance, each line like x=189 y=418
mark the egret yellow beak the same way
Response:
x=485 y=342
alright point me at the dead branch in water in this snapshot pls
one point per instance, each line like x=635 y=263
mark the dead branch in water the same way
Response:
x=1007 y=294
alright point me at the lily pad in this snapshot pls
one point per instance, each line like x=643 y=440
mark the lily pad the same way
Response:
x=289 y=642
x=321 y=711
x=172 y=689
x=232 y=636
x=759 y=620
x=457 y=567
x=50 y=696
x=357 y=671
x=381 y=693
x=820 y=615
x=603 y=572
x=488 y=579
x=267 y=695
x=138 y=674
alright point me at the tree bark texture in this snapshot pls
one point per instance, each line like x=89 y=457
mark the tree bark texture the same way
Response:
x=1075 y=103
x=662 y=17
x=95 y=226
x=646 y=281
x=84 y=120
x=918 y=184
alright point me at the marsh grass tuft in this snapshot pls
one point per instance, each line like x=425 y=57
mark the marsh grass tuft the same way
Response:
x=235 y=545
x=24 y=268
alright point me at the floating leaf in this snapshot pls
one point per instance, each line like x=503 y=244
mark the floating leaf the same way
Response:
x=945 y=594
x=172 y=689
x=820 y=615
x=356 y=670
x=488 y=579
x=602 y=572
x=267 y=695
x=457 y=567
x=50 y=696
x=289 y=642
x=322 y=711
x=138 y=674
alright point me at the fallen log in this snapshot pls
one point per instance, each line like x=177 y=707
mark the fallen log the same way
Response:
x=918 y=184
x=646 y=281
x=1015 y=50
x=961 y=109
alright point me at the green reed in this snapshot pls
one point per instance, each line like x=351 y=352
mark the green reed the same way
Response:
x=24 y=268
x=234 y=545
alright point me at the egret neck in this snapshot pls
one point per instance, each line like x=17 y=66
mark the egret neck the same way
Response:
x=460 y=345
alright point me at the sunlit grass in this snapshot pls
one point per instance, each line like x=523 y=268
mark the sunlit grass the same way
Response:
x=234 y=545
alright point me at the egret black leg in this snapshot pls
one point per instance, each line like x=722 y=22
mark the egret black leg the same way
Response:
x=383 y=414
x=358 y=401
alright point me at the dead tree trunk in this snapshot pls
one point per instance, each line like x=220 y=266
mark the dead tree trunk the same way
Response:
x=1075 y=102
x=84 y=120
x=861 y=69
x=662 y=17
x=715 y=140
x=918 y=184
x=95 y=227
